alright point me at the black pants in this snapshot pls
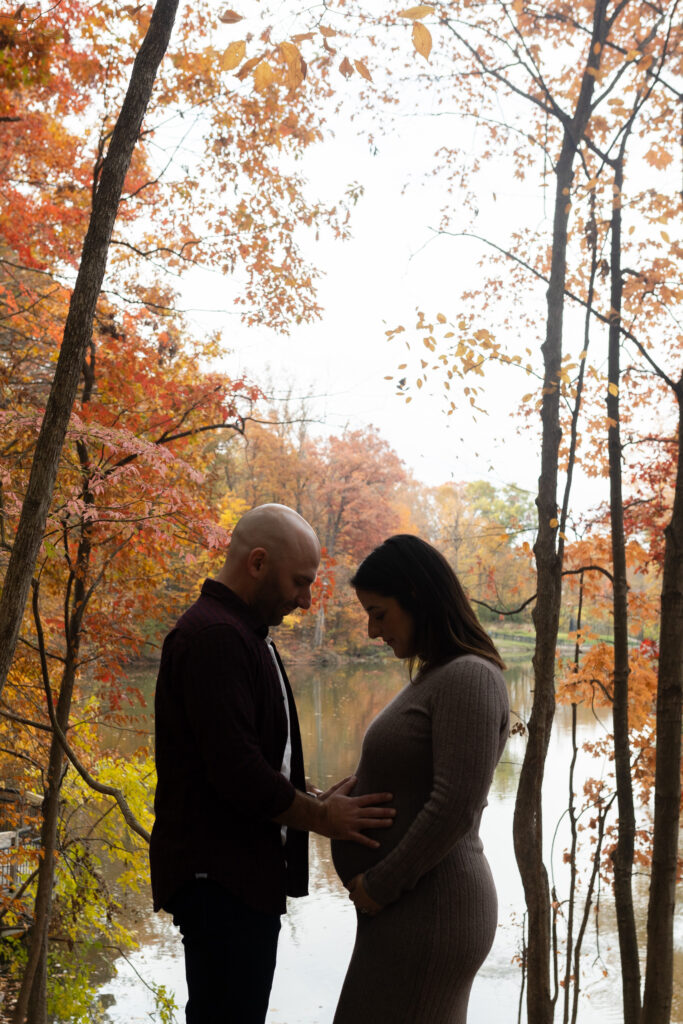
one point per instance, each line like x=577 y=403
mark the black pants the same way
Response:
x=230 y=954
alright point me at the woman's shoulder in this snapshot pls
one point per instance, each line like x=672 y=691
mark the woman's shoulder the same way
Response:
x=466 y=669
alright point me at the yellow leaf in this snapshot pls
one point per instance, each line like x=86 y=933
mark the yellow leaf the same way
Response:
x=462 y=326
x=346 y=68
x=362 y=70
x=290 y=52
x=665 y=236
x=424 y=363
x=263 y=76
x=295 y=65
x=554 y=523
x=583 y=355
x=422 y=40
x=612 y=424
x=325 y=31
x=613 y=388
x=230 y=17
x=409 y=399
x=402 y=366
x=416 y=13
x=526 y=398
x=441 y=318
x=419 y=382
x=247 y=68
x=301 y=36
x=234 y=55
x=388 y=378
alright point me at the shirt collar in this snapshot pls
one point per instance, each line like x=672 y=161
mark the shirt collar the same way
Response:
x=228 y=597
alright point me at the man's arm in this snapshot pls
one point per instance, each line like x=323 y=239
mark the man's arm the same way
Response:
x=338 y=815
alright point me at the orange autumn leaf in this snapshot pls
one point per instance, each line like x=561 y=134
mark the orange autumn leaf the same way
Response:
x=422 y=40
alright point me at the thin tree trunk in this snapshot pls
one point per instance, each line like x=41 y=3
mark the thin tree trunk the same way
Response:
x=571 y=810
x=78 y=331
x=528 y=817
x=32 y=999
x=32 y=992
x=622 y=858
x=660 y=918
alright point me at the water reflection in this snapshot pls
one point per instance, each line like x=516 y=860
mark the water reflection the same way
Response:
x=336 y=705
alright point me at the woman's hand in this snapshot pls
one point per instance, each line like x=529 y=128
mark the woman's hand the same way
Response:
x=359 y=896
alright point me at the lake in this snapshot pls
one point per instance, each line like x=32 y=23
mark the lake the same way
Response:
x=336 y=704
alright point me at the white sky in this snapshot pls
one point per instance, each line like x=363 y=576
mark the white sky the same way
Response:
x=376 y=281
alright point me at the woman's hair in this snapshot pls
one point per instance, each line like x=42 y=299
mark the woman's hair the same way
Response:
x=421 y=580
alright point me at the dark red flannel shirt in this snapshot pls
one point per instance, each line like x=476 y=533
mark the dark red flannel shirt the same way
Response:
x=221 y=730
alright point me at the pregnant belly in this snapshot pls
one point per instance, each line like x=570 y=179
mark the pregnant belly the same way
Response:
x=351 y=859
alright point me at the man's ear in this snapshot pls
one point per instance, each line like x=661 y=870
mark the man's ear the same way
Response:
x=257 y=561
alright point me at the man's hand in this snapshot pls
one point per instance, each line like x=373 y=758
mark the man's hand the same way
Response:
x=337 y=815
x=359 y=896
x=346 y=815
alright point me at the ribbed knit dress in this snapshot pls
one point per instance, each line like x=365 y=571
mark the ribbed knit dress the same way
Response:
x=435 y=747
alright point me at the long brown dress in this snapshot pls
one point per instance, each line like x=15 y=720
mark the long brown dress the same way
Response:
x=435 y=747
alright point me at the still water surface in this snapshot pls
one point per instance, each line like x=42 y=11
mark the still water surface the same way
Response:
x=336 y=705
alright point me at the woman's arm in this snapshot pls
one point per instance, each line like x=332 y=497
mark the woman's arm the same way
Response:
x=469 y=713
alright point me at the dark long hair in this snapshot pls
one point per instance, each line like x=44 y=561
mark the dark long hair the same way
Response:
x=418 y=576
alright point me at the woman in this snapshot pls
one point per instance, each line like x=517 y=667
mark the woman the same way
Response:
x=426 y=902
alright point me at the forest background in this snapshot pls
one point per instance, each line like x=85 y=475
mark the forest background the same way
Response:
x=132 y=439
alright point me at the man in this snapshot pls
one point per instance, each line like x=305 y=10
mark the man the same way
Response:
x=230 y=836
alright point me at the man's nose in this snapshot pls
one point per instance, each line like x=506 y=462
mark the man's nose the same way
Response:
x=373 y=631
x=304 y=599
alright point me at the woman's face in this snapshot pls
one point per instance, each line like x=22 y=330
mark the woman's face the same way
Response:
x=388 y=620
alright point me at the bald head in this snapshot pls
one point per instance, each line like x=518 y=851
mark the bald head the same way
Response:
x=272 y=561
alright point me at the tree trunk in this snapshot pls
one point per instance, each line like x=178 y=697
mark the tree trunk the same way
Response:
x=622 y=858
x=660 y=918
x=32 y=998
x=528 y=817
x=78 y=331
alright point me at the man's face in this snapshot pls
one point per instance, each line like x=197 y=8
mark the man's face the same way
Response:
x=286 y=583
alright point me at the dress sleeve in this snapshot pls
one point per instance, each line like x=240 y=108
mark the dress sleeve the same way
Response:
x=469 y=714
x=221 y=704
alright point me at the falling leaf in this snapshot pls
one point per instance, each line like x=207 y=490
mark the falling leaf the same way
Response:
x=415 y=13
x=325 y=31
x=441 y=318
x=613 y=388
x=346 y=68
x=554 y=523
x=230 y=17
x=234 y=55
x=422 y=40
x=362 y=70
